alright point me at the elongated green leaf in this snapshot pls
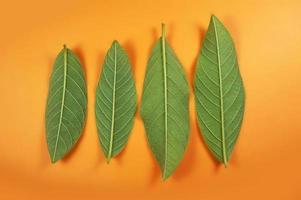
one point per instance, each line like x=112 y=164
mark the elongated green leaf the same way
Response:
x=115 y=101
x=164 y=107
x=66 y=105
x=219 y=91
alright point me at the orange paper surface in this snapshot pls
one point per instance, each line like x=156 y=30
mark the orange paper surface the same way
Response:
x=266 y=160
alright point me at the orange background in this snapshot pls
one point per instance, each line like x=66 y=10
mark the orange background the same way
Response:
x=266 y=161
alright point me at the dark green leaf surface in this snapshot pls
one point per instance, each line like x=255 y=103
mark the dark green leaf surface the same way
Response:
x=115 y=101
x=164 y=107
x=66 y=105
x=219 y=92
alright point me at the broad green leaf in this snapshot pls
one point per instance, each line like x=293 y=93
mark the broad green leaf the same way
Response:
x=66 y=105
x=219 y=91
x=116 y=101
x=164 y=107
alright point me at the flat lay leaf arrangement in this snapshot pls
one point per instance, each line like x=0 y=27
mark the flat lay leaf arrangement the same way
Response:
x=116 y=101
x=219 y=91
x=219 y=99
x=164 y=107
x=66 y=105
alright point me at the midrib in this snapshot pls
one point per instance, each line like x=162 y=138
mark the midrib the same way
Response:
x=221 y=97
x=165 y=98
x=113 y=107
x=63 y=101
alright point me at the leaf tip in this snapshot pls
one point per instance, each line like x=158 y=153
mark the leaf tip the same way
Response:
x=213 y=16
x=215 y=19
x=165 y=176
x=108 y=160
x=53 y=160
x=226 y=164
x=115 y=42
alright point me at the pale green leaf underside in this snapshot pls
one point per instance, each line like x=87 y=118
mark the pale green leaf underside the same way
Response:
x=164 y=107
x=219 y=91
x=66 y=105
x=116 y=101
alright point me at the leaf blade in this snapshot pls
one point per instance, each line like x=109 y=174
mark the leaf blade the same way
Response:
x=164 y=105
x=116 y=101
x=64 y=122
x=217 y=100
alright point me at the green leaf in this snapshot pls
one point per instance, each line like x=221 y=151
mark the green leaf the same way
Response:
x=116 y=101
x=219 y=91
x=164 y=107
x=66 y=105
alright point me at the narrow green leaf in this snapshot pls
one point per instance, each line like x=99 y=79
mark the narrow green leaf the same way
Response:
x=219 y=91
x=116 y=101
x=164 y=107
x=66 y=105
